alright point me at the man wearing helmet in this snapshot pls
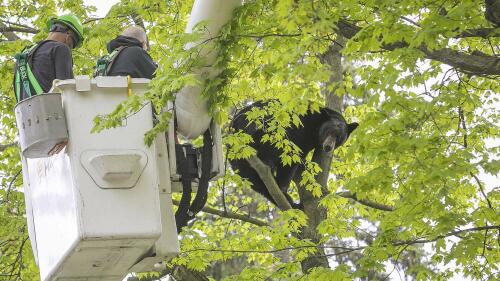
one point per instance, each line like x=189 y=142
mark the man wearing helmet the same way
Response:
x=37 y=66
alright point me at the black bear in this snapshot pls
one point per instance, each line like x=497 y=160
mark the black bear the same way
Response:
x=326 y=129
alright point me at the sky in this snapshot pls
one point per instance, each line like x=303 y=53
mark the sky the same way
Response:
x=102 y=6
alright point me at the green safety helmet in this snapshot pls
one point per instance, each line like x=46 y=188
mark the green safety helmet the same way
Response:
x=72 y=22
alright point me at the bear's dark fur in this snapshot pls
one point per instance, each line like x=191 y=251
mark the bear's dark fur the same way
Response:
x=326 y=129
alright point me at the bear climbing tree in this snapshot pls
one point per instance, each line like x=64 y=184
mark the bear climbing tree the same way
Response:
x=324 y=130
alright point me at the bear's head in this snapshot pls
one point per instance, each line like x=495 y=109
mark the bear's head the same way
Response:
x=334 y=130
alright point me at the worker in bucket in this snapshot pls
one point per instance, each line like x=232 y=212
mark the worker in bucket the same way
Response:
x=38 y=65
x=127 y=56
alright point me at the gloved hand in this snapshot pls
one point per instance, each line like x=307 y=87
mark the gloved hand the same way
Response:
x=58 y=148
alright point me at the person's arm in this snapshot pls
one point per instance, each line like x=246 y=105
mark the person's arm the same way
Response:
x=135 y=62
x=63 y=65
x=63 y=62
x=143 y=63
x=151 y=67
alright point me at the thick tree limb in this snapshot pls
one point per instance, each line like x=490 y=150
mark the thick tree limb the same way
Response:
x=470 y=63
x=492 y=11
x=474 y=64
x=267 y=177
x=11 y=36
x=229 y=215
x=368 y=203
x=480 y=32
x=18 y=29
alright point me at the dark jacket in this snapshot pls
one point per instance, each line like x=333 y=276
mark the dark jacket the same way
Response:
x=51 y=60
x=133 y=60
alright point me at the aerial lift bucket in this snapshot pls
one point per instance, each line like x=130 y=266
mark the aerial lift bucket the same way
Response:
x=103 y=205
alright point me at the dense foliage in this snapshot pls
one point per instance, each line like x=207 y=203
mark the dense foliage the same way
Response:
x=404 y=197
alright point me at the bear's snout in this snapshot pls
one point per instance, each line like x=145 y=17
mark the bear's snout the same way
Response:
x=329 y=144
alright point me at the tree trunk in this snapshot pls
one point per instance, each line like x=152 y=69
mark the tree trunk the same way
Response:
x=315 y=213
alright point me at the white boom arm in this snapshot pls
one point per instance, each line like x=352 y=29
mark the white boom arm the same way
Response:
x=191 y=109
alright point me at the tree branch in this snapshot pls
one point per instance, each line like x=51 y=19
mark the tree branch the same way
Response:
x=485 y=32
x=273 y=251
x=229 y=215
x=482 y=190
x=267 y=177
x=262 y=36
x=453 y=233
x=480 y=32
x=368 y=203
x=138 y=20
x=423 y=241
x=18 y=29
x=5 y=146
x=11 y=36
x=10 y=23
x=492 y=11
x=89 y=20
x=347 y=249
x=480 y=64
x=11 y=184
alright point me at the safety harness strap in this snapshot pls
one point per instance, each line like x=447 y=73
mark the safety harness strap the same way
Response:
x=33 y=81
x=18 y=86
x=105 y=63
x=24 y=75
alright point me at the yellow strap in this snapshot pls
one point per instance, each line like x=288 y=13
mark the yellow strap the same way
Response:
x=129 y=85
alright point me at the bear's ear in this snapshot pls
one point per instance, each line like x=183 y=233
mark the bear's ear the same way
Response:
x=351 y=127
